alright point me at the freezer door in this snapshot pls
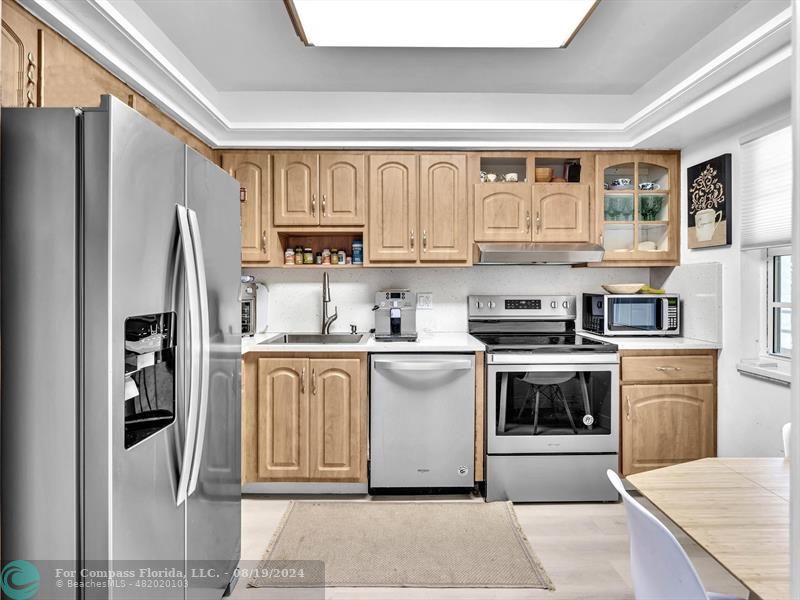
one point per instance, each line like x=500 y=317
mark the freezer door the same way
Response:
x=134 y=178
x=213 y=506
x=422 y=420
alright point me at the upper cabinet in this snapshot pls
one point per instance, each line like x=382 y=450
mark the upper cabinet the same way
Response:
x=503 y=212
x=638 y=207
x=393 y=231
x=251 y=170
x=296 y=185
x=342 y=189
x=319 y=189
x=443 y=207
x=561 y=212
x=20 y=47
x=418 y=209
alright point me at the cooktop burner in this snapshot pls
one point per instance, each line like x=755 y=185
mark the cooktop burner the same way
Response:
x=543 y=342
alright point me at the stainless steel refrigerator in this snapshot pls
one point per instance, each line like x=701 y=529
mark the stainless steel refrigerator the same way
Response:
x=120 y=349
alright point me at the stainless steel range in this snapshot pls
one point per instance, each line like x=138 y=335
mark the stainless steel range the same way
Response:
x=552 y=415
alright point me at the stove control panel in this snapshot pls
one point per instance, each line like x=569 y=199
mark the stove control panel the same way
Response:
x=521 y=307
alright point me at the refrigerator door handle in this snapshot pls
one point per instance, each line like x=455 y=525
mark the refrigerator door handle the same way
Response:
x=187 y=252
x=205 y=351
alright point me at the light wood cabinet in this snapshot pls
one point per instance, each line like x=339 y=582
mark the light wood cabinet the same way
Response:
x=503 y=212
x=336 y=419
x=638 y=207
x=295 y=186
x=304 y=418
x=282 y=425
x=251 y=170
x=561 y=212
x=342 y=189
x=20 y=53
x=393 y=232
x=668 y=411
x=319 y=189
x=443 y=214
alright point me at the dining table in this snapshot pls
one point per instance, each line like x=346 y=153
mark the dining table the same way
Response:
x=736 y=509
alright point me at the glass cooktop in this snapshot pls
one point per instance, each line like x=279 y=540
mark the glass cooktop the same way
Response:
x=543 y=342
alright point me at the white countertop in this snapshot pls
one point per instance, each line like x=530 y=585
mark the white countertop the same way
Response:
x=426 y=342
x=655 y=343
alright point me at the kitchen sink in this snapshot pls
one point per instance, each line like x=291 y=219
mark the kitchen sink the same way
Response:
x=315 y=338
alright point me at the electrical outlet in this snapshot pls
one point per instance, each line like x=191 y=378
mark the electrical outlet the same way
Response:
x=425 y=300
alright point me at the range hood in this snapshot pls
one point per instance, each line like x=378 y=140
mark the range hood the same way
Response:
x=539 y=253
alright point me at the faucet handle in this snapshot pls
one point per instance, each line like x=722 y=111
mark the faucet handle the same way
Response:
x=353 y=329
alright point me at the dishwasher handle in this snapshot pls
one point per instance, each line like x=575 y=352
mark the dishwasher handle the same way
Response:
x=439 y=365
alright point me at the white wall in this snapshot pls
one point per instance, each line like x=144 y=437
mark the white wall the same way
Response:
x=750 y=411
x=295 y=294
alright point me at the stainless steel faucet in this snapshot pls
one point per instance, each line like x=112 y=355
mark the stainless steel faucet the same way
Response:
x=326 y=298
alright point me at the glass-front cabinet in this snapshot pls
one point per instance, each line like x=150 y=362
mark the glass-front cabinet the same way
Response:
x=637 y=210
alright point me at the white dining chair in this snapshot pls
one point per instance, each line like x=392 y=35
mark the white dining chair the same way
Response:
x=660 y=568
x=787 y=439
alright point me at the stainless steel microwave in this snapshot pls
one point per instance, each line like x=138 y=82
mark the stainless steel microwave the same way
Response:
x=632 y=314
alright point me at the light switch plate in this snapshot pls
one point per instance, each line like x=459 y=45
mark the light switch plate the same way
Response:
x=425 y=300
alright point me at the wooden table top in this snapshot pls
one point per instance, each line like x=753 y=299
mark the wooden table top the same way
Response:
x=737 y=509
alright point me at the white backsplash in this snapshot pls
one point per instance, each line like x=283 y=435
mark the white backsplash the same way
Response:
x=700 y=287
x=295 y=294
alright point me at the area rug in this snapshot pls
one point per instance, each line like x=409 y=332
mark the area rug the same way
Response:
x=406 y=544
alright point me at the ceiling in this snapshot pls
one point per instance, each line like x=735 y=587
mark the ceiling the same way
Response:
x=250 y=45
x=639 y=74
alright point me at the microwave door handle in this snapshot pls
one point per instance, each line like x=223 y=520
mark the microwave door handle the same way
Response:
x=664 y=314
x=190 y=268
x=205 y=357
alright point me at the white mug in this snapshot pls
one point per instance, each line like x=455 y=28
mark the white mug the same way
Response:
x=511 y=177
x=705 y=223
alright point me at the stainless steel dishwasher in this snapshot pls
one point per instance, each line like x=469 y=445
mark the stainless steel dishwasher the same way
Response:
x=422 y=421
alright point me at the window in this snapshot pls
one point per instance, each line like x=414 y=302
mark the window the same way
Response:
x=779 y=301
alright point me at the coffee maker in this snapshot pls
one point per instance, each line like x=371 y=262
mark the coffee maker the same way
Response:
x=395 y=316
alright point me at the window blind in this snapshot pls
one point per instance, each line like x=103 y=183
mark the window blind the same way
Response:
x=766 y=185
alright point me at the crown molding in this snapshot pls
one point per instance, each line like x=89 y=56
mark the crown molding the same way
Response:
x=102 y=30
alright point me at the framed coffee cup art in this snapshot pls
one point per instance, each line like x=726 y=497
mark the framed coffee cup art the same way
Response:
x=709 y=207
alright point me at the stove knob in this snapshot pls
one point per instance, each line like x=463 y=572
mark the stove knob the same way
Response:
x=491 y=304
x=478 y=304
x=553 y=304
x=565 y=304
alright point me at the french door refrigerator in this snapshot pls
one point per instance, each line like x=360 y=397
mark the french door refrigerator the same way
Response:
x=120 y=352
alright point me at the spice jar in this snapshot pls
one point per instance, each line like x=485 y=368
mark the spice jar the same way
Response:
x=358 y=252
x=342 y=257
x=319 y=258
x=308 y=256
x=289 y=256
x=334 y=257
x=326 y=257
x=298 y=255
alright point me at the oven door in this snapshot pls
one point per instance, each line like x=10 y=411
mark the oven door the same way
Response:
x=552 y=408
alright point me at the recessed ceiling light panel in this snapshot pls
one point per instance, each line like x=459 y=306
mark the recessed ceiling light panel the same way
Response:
x=439 y=23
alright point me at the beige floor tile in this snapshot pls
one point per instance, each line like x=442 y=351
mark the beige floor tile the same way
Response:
x=583 y=547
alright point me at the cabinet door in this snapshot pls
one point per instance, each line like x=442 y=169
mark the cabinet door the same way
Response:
x=443 y=215
x=342 y=190
x=393 y=232
x=296 y=189
x=665 y=425
x=337 y=430
x=19 y=48
x=502 y=212
x=283 y=419
x=251 y=170
x=561 y=212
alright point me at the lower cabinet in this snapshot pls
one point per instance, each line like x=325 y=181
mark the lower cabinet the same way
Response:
x=668 y=409
x=305 y=418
